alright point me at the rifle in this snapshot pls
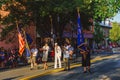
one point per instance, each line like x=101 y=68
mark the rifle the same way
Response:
x=82 y=51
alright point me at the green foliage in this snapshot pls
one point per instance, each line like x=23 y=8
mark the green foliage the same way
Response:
x=115 y=32
x=98 y=34
x=3 y=2
x=105 y=8
x=7 y=30
x=66 y=9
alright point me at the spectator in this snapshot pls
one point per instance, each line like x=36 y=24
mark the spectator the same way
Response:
x=52 y=54
x=2 y=57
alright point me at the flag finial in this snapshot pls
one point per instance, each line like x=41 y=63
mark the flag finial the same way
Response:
x=50 y=18
x=78 y=9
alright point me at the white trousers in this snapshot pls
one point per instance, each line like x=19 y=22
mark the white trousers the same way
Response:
x=57 y=60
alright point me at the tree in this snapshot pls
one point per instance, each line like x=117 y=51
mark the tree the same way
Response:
x=115 y=32
x=39 y=11
x=98 y=34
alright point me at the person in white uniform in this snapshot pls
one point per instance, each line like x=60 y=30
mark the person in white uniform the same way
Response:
x=57 y=55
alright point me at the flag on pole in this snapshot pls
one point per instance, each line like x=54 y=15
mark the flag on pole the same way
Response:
x=27 y=52
x=80 y=38
x=21 y=41
x=27 y=38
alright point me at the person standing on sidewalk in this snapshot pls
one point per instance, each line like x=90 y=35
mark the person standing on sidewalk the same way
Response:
x=34 y=52
x=57 y=55
x=2 y=57
x=52 y=54
x=85 y=51
x=45 y=56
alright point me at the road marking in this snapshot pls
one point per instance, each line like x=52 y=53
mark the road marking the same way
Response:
x=72 y=66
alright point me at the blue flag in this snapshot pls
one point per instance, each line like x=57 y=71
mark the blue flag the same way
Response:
x=29 y=39
x=27 y=52
x=80 y=38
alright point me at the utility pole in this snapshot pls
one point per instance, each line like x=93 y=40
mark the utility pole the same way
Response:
x=52 y=35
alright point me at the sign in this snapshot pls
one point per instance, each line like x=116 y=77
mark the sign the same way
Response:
x=88 y=35
x=116 y=50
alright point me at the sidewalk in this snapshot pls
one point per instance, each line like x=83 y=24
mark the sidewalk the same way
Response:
x=18 y=73
x=25 y=72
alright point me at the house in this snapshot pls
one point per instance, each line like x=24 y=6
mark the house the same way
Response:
x=106 y=26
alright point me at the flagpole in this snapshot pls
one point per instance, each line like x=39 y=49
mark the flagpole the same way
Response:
x=17 y=32
x=52 y=39
x=17 y=24
x=78 y=11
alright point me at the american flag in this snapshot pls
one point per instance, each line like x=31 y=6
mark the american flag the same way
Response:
x=21 y=42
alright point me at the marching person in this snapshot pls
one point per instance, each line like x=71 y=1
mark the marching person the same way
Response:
x=34 y=52
x=45 y=56
x=57 y=55
x=85 y=51
x=66 y=57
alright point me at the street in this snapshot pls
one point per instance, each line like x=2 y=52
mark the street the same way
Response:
x=59 y=40
x=107 y=69
x=105 y=66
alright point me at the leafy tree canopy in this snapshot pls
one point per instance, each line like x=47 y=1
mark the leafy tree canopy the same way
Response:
x=115 y=32
x=26 y=10
x=98 y=34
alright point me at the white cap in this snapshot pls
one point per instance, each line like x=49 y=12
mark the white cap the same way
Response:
x=55 y=43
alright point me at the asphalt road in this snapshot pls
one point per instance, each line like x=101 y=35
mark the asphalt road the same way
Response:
x=106 y=69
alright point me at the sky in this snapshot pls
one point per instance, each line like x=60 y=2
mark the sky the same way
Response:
x=116 y=18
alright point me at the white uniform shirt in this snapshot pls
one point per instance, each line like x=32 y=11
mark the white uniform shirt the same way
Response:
x=34 y=51
x=66 y=53
x=58 y=51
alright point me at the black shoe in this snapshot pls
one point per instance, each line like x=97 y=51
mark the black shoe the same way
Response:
x=89 y=71
x=31 y=68
x=68 y=69
x=85 y=72
x=38 y=67
x=65 y=70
